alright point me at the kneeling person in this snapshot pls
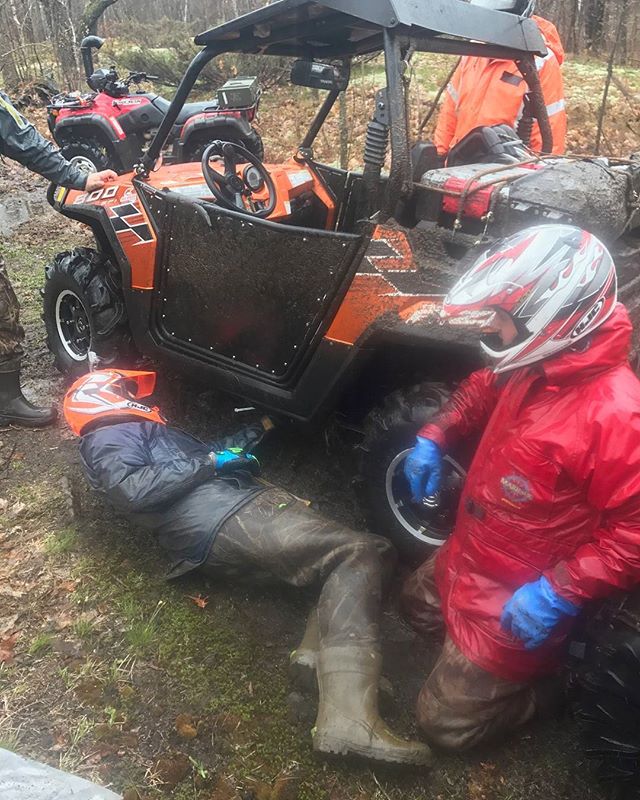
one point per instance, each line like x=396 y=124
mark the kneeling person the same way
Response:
x=210 y=513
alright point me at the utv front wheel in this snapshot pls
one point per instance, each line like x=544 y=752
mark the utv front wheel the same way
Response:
x=84 y=310
x=390 y=433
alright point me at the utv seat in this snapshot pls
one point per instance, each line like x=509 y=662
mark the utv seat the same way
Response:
x=188 y=110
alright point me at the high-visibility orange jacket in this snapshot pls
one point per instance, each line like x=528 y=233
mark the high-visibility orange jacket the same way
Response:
x=490 y=91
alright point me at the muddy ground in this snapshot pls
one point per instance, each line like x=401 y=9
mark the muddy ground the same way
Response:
x=180 y=690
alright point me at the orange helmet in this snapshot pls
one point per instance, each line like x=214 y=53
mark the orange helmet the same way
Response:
x=110 y=393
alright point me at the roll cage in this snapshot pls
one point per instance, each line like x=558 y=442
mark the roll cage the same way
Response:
x=338 y=30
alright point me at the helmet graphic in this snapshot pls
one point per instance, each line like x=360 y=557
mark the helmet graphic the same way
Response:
x=109 y=393
x=557 y=282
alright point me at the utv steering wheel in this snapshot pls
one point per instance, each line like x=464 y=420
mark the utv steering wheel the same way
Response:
x=231 y=189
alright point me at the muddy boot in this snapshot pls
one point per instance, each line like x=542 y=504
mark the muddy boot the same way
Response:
x=348 y=722
x=302 y=661
x=15 y=409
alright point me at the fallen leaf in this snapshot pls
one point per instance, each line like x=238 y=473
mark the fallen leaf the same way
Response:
x=186 y=726
x=17 y=509
x=8 y=624
x=6 y=648
x=199 y=600
x=173 y=768
x=67 y=586
x=7 y=591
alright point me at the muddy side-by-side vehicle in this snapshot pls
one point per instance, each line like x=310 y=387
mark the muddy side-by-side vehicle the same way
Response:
x=307 y=289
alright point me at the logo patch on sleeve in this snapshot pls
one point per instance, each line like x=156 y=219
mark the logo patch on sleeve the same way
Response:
x=517 y=489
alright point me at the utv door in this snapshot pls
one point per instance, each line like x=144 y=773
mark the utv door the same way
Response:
x=250 y=295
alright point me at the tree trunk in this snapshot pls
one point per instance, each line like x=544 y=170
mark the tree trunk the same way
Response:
x=93 y=10
x=63 y=36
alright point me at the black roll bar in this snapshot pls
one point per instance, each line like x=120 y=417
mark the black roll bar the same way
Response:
x=189 y=78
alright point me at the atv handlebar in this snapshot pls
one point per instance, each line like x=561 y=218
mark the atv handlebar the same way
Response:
x=139 y=77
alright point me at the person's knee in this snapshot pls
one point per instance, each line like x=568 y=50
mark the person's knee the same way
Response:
x=443 y=727
x=375 y=547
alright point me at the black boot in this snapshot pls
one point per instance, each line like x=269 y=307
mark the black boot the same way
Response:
x=15 y=409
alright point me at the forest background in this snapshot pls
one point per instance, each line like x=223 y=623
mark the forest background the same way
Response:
x=39 y=47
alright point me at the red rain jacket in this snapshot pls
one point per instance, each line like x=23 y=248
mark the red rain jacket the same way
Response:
x=554 y=489
x=490 y=91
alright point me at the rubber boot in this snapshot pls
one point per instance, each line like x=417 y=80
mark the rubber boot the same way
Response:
x=302 y=660
x=15 y=409
x=348 y=721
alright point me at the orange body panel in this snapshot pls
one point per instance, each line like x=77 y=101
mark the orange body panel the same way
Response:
x=373 y=294
x=135 y=232
x=131 y=225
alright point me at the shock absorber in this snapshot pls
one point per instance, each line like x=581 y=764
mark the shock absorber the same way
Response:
x=525 y=123
x=375 y=151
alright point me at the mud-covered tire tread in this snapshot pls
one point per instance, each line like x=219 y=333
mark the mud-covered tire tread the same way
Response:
x=607 y=708
x=90 y=148
x=389 y=429
x=97 y=282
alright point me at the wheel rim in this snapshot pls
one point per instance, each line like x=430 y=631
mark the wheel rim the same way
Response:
x=84 y=163
x=72 y=323
x=429 y=525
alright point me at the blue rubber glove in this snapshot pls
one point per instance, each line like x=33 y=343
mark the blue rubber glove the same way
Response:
x=423 y=469
x=534 y=611
x=234 y=458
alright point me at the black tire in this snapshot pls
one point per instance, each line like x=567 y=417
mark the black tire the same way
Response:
x=252 y=142
x=390 y=431
x=83 y=308
x=605 y=690
x=90 y=149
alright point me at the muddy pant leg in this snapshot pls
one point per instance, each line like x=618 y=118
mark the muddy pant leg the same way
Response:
x=461 y=704
x=11 y=332
x=279 y=535
x=420 y=601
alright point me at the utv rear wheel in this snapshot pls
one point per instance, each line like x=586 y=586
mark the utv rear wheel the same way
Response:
x=86 y=152
x=390 y=433
x=84 y=310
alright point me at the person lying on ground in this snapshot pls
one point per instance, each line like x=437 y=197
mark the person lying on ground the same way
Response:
x=491 y=91
x=20 y=141
x=549 y=517
x=209 y=512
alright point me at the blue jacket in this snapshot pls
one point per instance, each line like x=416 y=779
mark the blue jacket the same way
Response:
x=164 y=479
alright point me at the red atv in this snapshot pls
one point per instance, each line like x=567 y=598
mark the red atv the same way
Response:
x=111 y=126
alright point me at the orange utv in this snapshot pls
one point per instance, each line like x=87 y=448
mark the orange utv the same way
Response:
x=307 y=289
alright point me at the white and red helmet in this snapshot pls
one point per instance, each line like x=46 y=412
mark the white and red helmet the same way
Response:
x=110 y=394
x=557 y=282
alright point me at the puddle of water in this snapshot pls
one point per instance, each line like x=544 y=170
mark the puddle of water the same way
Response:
x=15 y=210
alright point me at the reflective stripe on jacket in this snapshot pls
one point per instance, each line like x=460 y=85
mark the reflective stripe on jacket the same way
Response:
x=490 y=92
x=554 y=489
x=20 y=141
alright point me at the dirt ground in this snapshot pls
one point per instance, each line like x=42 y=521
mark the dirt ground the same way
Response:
x=180 y=690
